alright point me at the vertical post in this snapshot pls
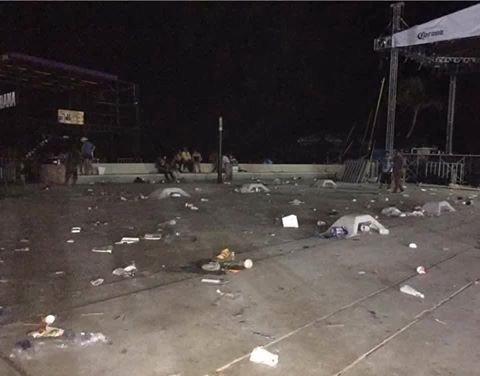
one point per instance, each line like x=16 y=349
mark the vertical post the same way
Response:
x=392 y=80
x=219 y=161
x=137 y=127
x=451 y=113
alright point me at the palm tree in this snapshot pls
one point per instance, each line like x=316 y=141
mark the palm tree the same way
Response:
x=413 y=95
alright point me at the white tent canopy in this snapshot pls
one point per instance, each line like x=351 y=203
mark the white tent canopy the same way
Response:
x=462 y=24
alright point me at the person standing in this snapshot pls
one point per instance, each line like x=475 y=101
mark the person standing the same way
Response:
x=397 y=171
x=186 y=160
x=386 y=170
x=197 y=159
x=72 y=162
x=227 y=168
x=86 y=154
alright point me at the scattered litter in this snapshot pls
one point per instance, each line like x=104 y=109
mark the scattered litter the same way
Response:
x=423 y=189
x=325 y=183
x=127 y=240
x=252 y=188
x=354 y=200
x=349 y=225
x=123 y=198
x=441 y=322
x=58 y=273
x=421 y=270
x=332 y=212
x=334 y=232
x=92 y=314
x=290 y=221
x=391 y=211
x=190 y=206
x=142 y=197
x=204 y=199
x=226 y=294
x=97 y=282
x=70 y=241
x=197 y=189
x=435 y=208
x=405 y=195
x=261 y=356
x=128 y=271
x=24 y=249
x=76 y=230
x=47 y=331
x=156 y=236
x=212 y=266
x=335 y=325
x=409 y=290
x=105 y=249
x=212 y=281
x=169 y=192
x=296 y=202
x=361 y=272
x=387 y=199
x=321 y=223
x=412 y=245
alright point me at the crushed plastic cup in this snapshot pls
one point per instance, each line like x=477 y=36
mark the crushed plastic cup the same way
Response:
x=409 y=290
x=97 y=282
x=105 y=249
x=412 y=245
x=76 y=230
x=261 y=356
x=248 y=264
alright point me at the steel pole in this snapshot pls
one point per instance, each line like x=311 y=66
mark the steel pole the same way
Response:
x=392 y=80
x=219 y=161
x=451 y=113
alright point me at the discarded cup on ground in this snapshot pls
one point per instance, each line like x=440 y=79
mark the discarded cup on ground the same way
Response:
x=128 y=271
x=97 y=282
x=105 y=249
x=412 y=245
x=409 y=290
x=421 y=270
x=127 y=240
x=261 y=356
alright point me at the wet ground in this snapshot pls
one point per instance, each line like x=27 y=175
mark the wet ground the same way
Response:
x=325 y=306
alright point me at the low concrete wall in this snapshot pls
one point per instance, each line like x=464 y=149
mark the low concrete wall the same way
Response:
x=149 y=168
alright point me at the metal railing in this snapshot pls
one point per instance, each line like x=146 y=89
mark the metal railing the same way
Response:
x=443 y=168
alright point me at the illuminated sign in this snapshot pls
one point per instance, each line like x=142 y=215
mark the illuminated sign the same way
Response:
x=70 y=117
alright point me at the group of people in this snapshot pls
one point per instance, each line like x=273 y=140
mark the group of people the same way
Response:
x=184 y=161
x=392 y=167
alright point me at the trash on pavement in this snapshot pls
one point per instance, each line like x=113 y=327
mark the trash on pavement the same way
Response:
x=24 y=249
x=169 y=192
x=204 y=199
x=225 y=255
x=261 y=356
x=47 y=331
x=409 y=290
x=252 y=188
x=421 y=270
x=296 y=202
x=391 y=211
x=413 y=245
x=436 y=208
x=212 y=266
x=123 y=198
x=128 y=240
x=290 y=221
x=97 y=282
x=190 y=206
x=76 y=230
x=70 y=241
x=350 y=225
x=321 y=223
x=104 y=249
x=128 y=271
x=156 y=236
x=212 y=281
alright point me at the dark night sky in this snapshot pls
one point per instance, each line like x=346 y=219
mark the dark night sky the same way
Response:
x=275 y=71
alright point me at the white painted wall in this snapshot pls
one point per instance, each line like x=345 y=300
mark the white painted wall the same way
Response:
x=149 y=168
